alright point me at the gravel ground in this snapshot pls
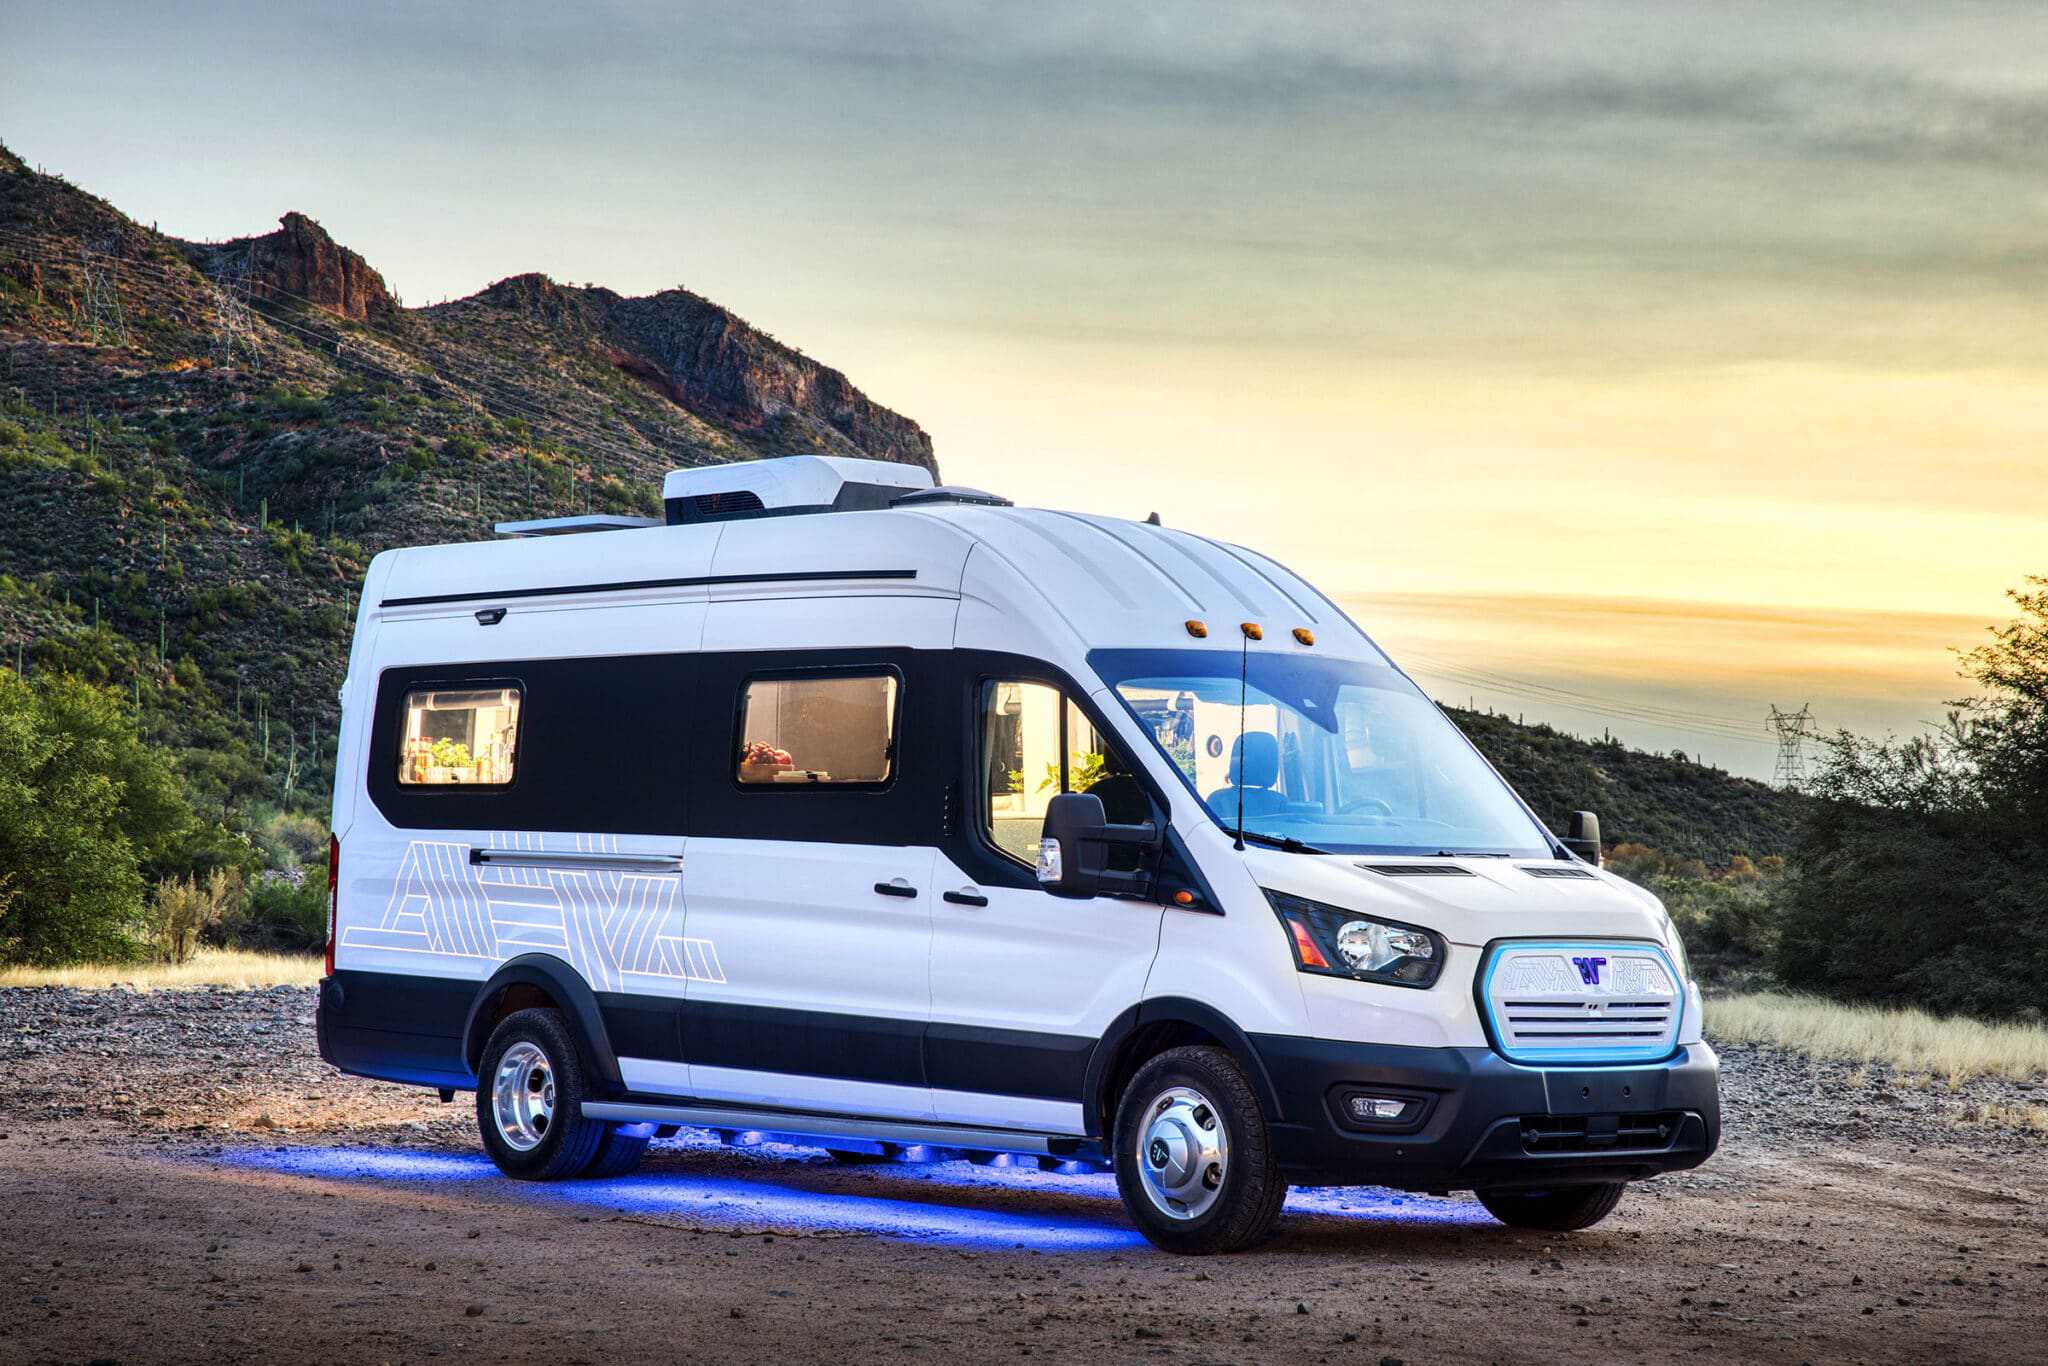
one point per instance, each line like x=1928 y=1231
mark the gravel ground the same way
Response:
x=182 y=1179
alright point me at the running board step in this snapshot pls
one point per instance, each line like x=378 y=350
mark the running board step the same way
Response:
x=825 y=1128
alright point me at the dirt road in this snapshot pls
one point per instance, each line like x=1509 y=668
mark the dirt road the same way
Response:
x=180 y=1180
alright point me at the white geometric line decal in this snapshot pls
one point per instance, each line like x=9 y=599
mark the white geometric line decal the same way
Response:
x=609 y=925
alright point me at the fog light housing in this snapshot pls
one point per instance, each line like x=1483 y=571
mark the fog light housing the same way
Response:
x=1377 y=1109
x=1366 y=1108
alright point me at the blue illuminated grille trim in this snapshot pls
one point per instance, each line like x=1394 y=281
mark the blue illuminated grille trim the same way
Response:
x=1618 y=1008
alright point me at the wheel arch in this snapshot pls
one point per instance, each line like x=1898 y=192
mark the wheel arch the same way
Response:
x=1150 y=1028
x=537 y=979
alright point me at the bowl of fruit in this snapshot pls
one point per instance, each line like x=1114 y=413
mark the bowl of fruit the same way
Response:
x=760 y=762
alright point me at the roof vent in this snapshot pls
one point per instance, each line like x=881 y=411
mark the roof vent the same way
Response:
x=950 y=493
x=787 y=486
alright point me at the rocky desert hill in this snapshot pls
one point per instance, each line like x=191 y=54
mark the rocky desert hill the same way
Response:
x=203 y=443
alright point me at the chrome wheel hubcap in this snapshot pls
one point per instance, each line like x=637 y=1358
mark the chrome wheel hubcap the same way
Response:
x=523 y=1096
x=1183 y=1153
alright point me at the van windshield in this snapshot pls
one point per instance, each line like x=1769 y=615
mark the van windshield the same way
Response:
x=1343 y=755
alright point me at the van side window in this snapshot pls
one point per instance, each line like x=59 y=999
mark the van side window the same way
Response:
x=827 y=729
x=1035 y=744
x=459 y=736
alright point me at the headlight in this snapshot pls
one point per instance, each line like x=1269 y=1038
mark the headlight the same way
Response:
x=1340 y=943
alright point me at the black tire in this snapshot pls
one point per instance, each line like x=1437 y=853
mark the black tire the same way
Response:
x=1562 y=1210
x=1244 y=1205
x=617 y=1154
x=566 y=1143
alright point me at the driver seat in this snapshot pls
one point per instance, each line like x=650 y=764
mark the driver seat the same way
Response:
x=1254 y=768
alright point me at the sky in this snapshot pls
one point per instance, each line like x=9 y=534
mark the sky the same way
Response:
x=1631 y=366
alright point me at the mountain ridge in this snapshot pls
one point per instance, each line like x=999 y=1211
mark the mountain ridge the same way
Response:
x=202 y=444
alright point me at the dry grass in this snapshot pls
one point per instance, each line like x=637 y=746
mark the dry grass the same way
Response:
x=1997 y=1116
x=1907 y=1041
x=208 y=967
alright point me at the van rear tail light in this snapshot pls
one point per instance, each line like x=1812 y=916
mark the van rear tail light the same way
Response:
x=333 y=896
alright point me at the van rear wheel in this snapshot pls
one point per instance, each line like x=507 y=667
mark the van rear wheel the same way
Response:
x=529 y=1099
x=1194 y=1160
x=617 y=1154
x=1562 y=1210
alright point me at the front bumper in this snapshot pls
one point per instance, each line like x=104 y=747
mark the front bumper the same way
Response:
x=1484 y=1121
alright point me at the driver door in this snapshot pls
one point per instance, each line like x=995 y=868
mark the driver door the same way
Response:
x=1024 y=982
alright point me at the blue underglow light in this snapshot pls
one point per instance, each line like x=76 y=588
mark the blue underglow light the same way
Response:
x=783 y=1187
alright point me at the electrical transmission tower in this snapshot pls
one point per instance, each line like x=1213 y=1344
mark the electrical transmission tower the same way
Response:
x=102 y=302
x=233 y=327
x=1794 y=729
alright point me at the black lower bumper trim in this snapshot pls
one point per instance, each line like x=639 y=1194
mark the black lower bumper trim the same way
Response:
x=1484 y=1121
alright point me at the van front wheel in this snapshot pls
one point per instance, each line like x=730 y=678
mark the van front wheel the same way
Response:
x=1194 y=1161
x=529 y=1099
x=1553 y=1211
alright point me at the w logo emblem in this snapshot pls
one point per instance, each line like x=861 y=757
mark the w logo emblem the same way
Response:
x=1589 y=969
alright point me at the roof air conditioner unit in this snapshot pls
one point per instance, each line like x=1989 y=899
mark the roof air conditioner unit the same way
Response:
x=786 y=486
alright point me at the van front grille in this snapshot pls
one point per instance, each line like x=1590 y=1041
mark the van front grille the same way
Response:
x=1568 y=1001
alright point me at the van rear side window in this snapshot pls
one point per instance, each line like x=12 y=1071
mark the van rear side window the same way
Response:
x=827 y=729
x=465 y=737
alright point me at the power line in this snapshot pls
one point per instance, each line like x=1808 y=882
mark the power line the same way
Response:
x=1794 y=729
x=1697 y=723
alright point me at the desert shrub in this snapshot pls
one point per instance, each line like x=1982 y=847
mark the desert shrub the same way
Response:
x=294 y=547
x=1919 y=869
x=183 y=909
x=88 y=813
x=288 y=840
x=1730 y=918
x=282 y=916
x=462 y=447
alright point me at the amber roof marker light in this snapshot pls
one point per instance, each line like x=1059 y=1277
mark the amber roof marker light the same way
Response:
x=1304 y=635
x=1198 y=629
x=1252 y=630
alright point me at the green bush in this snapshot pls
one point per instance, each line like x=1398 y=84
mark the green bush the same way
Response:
x=183 y=909
x=280 y=917
x=88 y=813
x=463 y=448
x=1919 y=871
x=1729 y=919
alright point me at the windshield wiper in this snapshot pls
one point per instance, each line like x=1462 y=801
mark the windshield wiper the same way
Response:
x=1283 y=842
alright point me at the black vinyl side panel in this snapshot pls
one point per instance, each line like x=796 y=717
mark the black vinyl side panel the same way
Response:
x=805 y=1042
x=415 y=1029
x=642 y=1026
x=1006 y=1062
x=632 y=708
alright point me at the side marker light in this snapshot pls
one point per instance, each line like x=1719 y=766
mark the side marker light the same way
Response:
x=1305 y=945
x=1252 y=630
x=1304 y=635
x=1198 y=629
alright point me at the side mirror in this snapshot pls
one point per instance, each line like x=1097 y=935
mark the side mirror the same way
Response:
x=1582 y=836
x=1074 y=850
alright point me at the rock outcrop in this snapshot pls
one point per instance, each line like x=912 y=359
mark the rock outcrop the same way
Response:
x=301 y=262
x=706 y=359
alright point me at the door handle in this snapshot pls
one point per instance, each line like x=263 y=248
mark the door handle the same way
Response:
x=964 y=897
x=897 y=888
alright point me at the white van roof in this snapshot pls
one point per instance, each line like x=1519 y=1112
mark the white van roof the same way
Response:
x=1030 y=580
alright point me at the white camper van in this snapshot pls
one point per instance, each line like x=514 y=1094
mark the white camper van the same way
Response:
x=884 y=815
